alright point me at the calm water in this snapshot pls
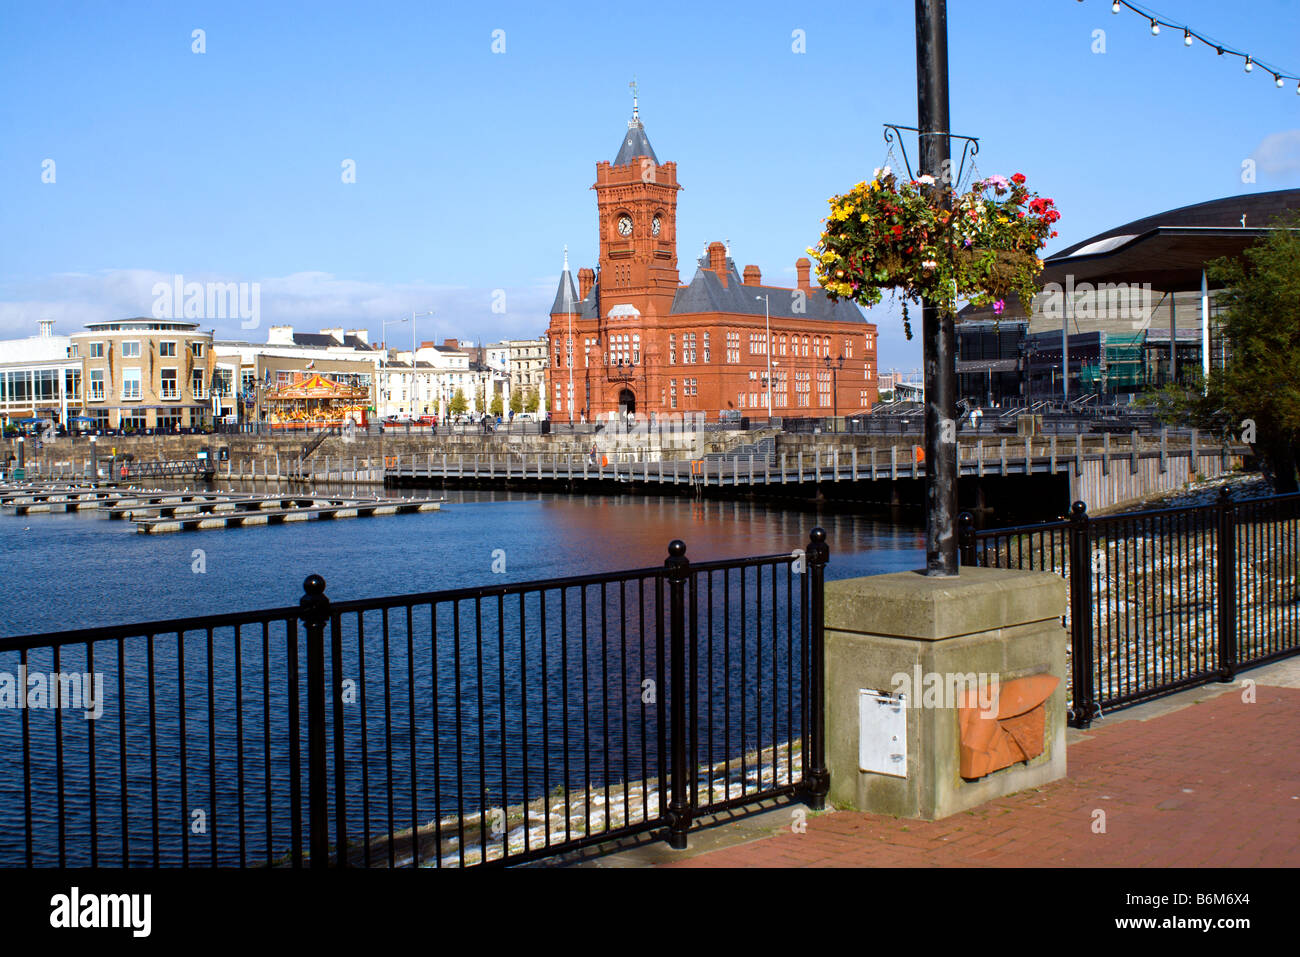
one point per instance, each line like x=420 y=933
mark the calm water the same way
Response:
x=65 y=571
x=452 y=717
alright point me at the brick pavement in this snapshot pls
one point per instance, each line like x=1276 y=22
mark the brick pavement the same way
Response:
x=1215 y=783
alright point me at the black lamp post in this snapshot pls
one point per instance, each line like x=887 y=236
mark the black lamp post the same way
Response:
x=835 y=365
x=938 y=333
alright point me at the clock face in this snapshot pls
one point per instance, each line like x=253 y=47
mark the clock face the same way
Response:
x=656 y=226
x=625 y=225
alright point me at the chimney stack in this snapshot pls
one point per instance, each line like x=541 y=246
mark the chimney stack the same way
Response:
x=718 y=260
x=586 y=279
x=802 y=265
x=753 y=277
x=362 y=334
x=453 y=344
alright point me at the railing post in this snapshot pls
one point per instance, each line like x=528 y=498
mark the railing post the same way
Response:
x=817 y=779
x=1227 y=582
x=966 y=539
x=315 y=611
x=679 y=809
x=1081 y=660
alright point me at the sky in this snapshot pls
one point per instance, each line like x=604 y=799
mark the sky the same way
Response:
x=473 y=130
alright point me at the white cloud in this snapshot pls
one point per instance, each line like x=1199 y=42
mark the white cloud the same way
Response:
x=1278 y=154
x=308 y=301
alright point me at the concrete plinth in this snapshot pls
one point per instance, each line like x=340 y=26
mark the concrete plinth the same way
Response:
x=985 y=622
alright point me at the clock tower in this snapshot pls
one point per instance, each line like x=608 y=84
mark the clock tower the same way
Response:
x=636 y=198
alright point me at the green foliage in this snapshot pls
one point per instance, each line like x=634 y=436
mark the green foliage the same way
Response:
x=1255 y=398
x=532 y=401
x=516 y=400
x=496 y=407
x=458 y=402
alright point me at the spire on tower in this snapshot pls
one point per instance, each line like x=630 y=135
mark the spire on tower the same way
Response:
x=635 y=143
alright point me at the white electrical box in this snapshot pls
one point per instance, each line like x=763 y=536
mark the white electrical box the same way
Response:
x=882 y=732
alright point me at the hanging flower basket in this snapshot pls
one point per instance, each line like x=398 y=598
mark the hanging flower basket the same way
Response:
x=889 y=234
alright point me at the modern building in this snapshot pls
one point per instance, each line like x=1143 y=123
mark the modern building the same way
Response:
x=1111 y=305
x=149 y=373
x=630 y=337
x=38 y=377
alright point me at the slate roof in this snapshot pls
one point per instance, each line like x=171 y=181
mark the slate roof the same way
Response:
x=634 y=144
x=561 y=304
x=705 y=293
x=321 y=340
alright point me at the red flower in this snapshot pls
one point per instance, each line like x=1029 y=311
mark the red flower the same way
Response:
x=1018 y=178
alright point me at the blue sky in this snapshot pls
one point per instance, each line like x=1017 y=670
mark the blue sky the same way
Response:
x=473 y=168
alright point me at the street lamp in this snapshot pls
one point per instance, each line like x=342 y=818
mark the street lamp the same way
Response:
x=835 y=365
x=767 y=347
x=383 y=334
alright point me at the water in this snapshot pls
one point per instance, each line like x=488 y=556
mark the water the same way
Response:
x=76 y=570
x=450 y=718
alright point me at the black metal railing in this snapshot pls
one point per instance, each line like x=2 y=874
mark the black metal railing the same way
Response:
x=496 y=724
x=1165 y=599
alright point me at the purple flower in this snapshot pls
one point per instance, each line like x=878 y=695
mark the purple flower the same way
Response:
x=999 y=306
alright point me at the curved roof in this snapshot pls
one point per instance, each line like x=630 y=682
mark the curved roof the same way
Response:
x=1169 y=250
x=1259 y=209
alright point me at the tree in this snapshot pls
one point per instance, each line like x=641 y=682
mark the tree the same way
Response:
x=1255 y=397
x=458 y=402
x=533 y=401
x=516 y=401
x=480 y=399
x=495 y=407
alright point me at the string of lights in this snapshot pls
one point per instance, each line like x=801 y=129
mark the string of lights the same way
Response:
x=1190 y=37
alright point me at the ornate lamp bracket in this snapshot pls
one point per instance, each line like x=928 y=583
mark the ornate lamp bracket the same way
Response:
x=970 y=147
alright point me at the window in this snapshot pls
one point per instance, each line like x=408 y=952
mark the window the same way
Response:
x=222 y=380
x=864 y=399
x=166 y=348
x=197 y=349
x=779 y=393
x=848 y=348
x=46 y=384
x=688 y=347
x=74 y=351
x=733 y=346
x=824 y=389
x=802 y=388
x=168 y=390
x=96 y=385
x=706 y=347
x=197 y=387
x=636 y=347
x=130 y=349
x=868 y=341
x=96 y=350
x=72 y=383
x=248 y=381
x=672 y=352
x=690 y=387
x=805 y=345
x=783 y=338
x=672 y=393
x=131 y=383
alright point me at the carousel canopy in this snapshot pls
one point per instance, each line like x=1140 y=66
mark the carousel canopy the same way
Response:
x=316 y=387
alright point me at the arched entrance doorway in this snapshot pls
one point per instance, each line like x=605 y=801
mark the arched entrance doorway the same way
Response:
x=626 y=402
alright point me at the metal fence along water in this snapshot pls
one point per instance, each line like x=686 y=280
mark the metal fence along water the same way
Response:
x=1164 y=599
x=483 y=725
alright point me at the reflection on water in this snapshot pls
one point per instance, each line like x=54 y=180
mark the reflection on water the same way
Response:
x=77 y=570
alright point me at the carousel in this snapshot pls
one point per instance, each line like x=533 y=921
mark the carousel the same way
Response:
x=315 y=402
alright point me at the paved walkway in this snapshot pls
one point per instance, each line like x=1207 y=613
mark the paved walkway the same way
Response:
x=1202 y=778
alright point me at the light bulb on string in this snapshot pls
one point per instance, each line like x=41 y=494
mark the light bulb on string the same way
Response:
x=1278 y=80
x=1249 y=65
x=1155 y=28
x=1114 y=7
x=1187 y=38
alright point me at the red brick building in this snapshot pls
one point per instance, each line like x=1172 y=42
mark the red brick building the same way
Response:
x=632 y=338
